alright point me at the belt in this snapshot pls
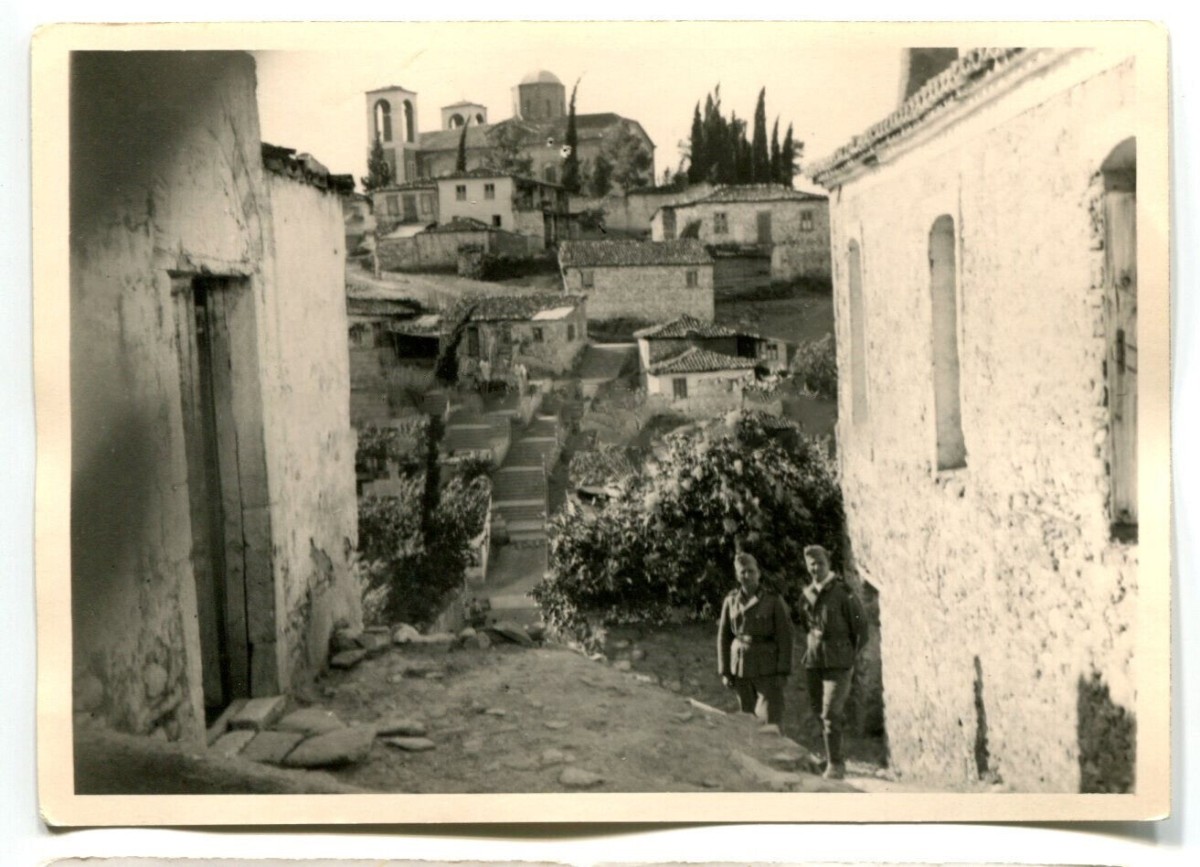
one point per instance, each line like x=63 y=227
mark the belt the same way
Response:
x=754 y=639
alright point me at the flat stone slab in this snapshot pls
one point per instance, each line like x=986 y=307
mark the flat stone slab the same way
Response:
x=400 y=727
x=777 y=781
x=232 y=743
x=342 y=747
x=348 y=658
x=556 y=724
x=513 y=632
x=374 y=643
x=310 y=721
x=412 y=745
x=271 y=747
x=578 y=778
x=259 y=713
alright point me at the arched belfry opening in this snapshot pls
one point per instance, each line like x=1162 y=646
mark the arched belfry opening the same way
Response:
x=410 y=121
x=383 y=120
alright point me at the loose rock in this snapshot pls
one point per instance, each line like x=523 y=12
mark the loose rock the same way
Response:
x=637 y=654
x=553 y=757
x=259 y=713
x=345 y=639
x=232 y=743
x=348 y=658
x=412 y=745
x=341 y=747
x=556 y=724
x=578 y=778
x=155 y=678
x=400 y=727
x=482 y=640
x=404 y=633
x=310 y=721
x=777 y=781
x=270 y=746
x=623 y=665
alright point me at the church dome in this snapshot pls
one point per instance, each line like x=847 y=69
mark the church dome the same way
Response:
x=541 y=76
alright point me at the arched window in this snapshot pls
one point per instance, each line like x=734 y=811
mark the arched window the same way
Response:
x=456 y=121
x=410 y=122
x=1119 y=173
x=383 y=119
x=943 y=278
x=479 y=119
x=550 y=173
x=858 y=349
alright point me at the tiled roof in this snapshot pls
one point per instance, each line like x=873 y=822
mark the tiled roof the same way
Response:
x=694 y=360
x=423 y=184
x=599 y=254
x=501 y=307
x=461 y=224
x=683 y=327
x=492 y=173
x=754 y=193
x=587 y=127
x=941 y=91
x=304 y=168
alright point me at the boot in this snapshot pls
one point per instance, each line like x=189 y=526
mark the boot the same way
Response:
x=835 y=767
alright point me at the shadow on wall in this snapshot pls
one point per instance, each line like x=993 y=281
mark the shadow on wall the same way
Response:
x=1107 y=740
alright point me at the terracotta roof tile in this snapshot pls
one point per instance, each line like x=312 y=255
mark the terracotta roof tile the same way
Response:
x=754 y=193
x=694 y=360
x=683 y=327
x=500 y=307
x=600 y=254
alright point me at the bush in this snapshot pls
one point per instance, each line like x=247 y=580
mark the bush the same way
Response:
x=665 y=545
x=815 y=367
x=377 y=446
x=416 y=561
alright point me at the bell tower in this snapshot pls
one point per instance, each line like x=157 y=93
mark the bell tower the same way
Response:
x=392 y=116
x=462 y=114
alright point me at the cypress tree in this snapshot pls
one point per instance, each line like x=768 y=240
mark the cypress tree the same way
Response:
x=776 y=160
x=571 y=179
x=787 y=158
x=698 y=163
x=379 y=170
x=760 y=162
x=460 y=164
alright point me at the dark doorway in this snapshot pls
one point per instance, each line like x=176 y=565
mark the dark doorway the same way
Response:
x=764 y=227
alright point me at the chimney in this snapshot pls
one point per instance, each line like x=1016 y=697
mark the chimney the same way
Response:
x=921 y=64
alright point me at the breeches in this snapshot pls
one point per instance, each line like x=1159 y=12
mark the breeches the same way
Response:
x=767 y=690
x=828 y=689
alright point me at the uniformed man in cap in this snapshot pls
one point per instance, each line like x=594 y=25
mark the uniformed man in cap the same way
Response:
x=836 y=630
x=754 y=642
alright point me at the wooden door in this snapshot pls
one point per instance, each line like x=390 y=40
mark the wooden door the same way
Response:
x=1122 y=361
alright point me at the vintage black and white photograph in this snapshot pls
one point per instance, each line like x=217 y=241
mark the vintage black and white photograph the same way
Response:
x=494 y=408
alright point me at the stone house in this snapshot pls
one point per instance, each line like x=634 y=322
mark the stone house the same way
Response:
x=671 y=338
x=212 y=495
x=787 y=226
x=985 y=300
x=639 y=280
x=521 y=335
x=698 y=382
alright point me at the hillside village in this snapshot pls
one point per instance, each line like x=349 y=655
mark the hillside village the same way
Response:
x=362 y=432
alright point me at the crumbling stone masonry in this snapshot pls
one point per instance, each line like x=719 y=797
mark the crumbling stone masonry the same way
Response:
x=982 y=241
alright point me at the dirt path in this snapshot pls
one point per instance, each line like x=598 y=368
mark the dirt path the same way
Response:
x=512 y=719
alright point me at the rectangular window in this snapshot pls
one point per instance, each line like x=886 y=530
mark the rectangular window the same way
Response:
x=693 y=278
x=721 y=223
x=539 y=336
x=570 y=331
x=587 y=279
x=426 y=204
x=489 y=191
x=771 y=351
x=679 y=385
x=410 y=207
x=393 y=206
x=496 y=220
x=460 y=192
x=806 y=221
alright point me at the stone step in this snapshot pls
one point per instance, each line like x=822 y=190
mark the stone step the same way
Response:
x=527 y=538
x=521 y=517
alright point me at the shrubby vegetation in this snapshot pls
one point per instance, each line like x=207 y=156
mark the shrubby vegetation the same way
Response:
x=664 y=546
x=815 y=367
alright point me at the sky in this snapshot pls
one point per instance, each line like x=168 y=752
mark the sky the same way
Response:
x=817 y=79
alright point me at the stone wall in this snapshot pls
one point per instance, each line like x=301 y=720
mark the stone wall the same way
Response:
x=427 y=251
x=709 y=394
x=652 y=294
x=311 y=446
x=1007 y=612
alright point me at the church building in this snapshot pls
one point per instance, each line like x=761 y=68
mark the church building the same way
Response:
x=537 y=130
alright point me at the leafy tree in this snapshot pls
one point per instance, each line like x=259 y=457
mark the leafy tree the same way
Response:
x=601 y=180
x=379 y=170
x=630 y=159
x=760 y=162
x=667 y=540
x=460 y=163
x=571 y=178
x=815 y=367
x=506 y=153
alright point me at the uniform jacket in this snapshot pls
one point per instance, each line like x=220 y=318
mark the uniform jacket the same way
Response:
x=836 y=625
x=754 y=638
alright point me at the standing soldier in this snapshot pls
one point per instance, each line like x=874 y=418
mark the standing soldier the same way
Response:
x=754 y=642
x=836 y=627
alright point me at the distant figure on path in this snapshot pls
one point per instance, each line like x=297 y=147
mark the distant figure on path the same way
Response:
x=837 y=630
x=754 y=642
